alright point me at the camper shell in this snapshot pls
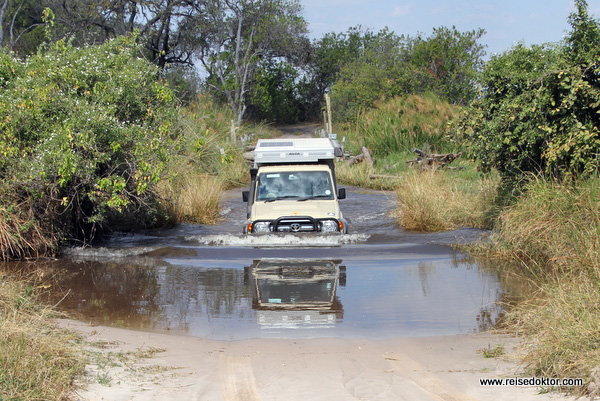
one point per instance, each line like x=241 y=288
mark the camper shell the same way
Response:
x=293 y=187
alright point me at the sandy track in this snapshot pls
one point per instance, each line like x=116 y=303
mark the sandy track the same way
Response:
x=417 y=369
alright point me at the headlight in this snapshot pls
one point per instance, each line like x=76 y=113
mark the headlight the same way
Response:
x=261 y=227
x=329 y=226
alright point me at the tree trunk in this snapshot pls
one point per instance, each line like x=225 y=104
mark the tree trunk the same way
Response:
x=2 y=13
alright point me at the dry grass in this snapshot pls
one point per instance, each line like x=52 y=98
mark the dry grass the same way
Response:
x=437 y=201
x=22 y=236
x=553 y=232
x=562 y=328
x=192 y=197
x=554 y=228
x=359 y=175
x=38 y=361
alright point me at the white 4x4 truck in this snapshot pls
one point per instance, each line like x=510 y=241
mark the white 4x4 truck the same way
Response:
x=293 y=187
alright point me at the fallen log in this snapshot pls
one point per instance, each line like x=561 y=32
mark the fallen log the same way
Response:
x=432 y=161
x=365 y=156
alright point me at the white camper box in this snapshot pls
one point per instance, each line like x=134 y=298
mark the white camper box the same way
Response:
x=295 y=150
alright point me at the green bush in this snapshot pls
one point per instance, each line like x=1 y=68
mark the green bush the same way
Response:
x=85 y=133
x=540 y=105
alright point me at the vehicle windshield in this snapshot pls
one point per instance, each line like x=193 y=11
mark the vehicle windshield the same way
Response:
x=298 y=185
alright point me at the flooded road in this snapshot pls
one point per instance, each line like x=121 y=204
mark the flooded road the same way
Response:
x=212 y=282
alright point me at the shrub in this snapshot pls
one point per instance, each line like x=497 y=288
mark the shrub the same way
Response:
x=539 y=107
x=85 y=133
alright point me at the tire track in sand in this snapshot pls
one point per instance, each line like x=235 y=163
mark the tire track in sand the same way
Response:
x=237 y=379
x=431 y=384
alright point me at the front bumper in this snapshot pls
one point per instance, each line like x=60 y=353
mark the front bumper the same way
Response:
x=296 y=224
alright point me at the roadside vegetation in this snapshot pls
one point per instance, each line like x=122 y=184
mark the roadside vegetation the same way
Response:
x=109 y=129
x=530 y=146
x=38 y=361
x=537 y=126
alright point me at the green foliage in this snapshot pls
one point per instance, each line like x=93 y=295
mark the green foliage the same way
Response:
x=275 y=96
x=84 y=133
x=451 y=60
x=540 y=105
x=386 y=65
x=399 y=124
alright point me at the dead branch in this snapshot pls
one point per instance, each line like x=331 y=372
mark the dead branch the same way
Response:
x=365 y=156
x=432 y=161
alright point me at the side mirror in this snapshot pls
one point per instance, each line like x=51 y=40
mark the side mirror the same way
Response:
x=245 y=196
x=341 y=193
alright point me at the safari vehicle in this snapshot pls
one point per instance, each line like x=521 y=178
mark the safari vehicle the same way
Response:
x=293 y=187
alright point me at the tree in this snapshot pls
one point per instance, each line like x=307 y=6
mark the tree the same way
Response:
x=333 y=51
x=170 y=30
x=540 y=106
x=451 y=60
x=387 y=65
x=274 y=94
x=241 y=34
x=21 y=25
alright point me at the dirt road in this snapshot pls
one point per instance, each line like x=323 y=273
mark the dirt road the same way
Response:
x=185 y=368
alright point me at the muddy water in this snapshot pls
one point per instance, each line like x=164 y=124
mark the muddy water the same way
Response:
x=212 y=282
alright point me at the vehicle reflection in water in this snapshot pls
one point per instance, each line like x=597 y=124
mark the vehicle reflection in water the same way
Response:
x=392 y=291
x=296 y=294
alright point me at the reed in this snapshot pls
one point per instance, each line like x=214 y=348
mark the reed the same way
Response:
x=554 y=228
x=397 y=125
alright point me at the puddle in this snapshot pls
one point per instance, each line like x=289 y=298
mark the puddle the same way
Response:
x=211 y=282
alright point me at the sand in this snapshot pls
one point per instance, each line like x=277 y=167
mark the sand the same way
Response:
x=151 y=366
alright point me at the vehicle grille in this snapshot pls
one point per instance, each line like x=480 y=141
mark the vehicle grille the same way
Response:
x=295 y=224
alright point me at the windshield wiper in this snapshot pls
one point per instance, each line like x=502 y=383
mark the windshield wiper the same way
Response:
x=314 y=197
x=280 y=198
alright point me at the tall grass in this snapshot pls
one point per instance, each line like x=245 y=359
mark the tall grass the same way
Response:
x=443 y=200
x=553 y=231
x=362 y=175
x=22 y=235
x=38 y=361
x=561 y=325
x=399 y=124
x=192 y=198
x=554 y=228
x=210 y=161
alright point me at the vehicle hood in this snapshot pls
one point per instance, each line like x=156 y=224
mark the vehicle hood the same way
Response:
x=317 y=209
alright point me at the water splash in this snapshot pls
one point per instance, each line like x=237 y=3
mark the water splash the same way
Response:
x=274 y=240
x=106 y=253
